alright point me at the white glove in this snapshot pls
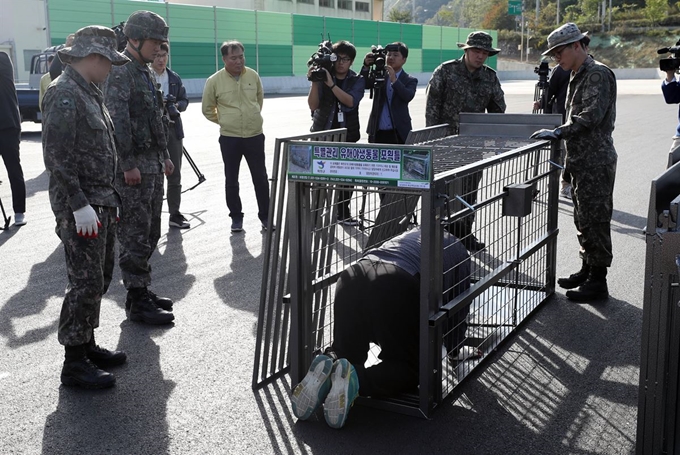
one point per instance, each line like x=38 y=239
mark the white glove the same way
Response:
x=87 y=223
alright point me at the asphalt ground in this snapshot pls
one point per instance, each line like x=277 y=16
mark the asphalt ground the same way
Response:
x=565 y=383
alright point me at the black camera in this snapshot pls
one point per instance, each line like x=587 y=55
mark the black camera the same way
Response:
x=171 y=106
x=322 y=59
x=671 y=63
x=377 y=73
x=543 y=71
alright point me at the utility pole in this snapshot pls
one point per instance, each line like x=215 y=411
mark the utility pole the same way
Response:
x=538 y=10
x=557 y=21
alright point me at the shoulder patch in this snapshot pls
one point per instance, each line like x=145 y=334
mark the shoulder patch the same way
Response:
x=595 y=78
x=66 y=103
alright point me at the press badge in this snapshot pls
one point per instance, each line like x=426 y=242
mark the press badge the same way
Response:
x=341 y=117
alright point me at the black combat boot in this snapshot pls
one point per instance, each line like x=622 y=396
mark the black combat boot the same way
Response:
x=144 y=309
x=595 y=287
x=79 y=371
x=161 y=302
x=575 y=279
x=104 y=358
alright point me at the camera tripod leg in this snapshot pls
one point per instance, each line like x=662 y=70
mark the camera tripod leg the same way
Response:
x=5 y=217
x=201 y=177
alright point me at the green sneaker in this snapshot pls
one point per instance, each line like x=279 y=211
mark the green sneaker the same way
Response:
x=344 y=390
x=310 y=393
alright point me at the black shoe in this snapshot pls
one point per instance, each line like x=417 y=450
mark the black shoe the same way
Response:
x=162 y=302
x=594 y=288
x=83 y=373
x=144 y=309
x=575 y=279
x=103 y=358
x=179 y=221
x=472 y=244
x=590 y=291
x=237 y=225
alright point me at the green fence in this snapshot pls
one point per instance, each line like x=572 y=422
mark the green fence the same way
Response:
x=277 y=44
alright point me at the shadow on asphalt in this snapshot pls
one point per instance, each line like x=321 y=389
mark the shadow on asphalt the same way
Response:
x=37 y=184
x=128 y=418
x=46 y=280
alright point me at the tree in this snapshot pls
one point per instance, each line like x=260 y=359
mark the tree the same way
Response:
x=497 y=17
x=399 y=15
x=656 y=10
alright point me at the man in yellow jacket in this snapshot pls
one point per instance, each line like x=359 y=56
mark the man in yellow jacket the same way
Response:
x=233 y=98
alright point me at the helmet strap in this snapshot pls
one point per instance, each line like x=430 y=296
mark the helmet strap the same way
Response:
x=138 y=50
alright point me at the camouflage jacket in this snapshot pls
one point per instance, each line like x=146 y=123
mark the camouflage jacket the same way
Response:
x=78 y=144
x=453 y=89
x=591 y=112
x=136 y=108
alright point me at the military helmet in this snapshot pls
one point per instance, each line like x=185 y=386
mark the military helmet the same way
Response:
x=146 y=25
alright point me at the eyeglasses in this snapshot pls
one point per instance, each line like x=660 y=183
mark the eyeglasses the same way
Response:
x=557 y=53
x=344 y=59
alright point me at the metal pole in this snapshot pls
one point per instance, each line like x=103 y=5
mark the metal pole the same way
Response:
x=557 y=21
x=609 y=25
x=538 y=10
x=521 y=39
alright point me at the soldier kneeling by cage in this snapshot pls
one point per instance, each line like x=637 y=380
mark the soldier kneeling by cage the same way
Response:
x=377 y=301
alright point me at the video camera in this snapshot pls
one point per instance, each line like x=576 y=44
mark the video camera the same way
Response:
x=671 y=63
x=377 y=73
x=543 y=71
x=120 y=36
x=322 y=59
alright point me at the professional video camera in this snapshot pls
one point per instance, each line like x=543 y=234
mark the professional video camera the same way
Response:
x=120 y=36
x=543 y=71
x=322 y=59
x=671 y=63
x=377 y=73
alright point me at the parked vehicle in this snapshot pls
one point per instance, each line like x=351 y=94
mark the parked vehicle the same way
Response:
x=29 y=94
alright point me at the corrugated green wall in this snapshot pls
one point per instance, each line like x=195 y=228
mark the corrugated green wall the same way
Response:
x=277 y=44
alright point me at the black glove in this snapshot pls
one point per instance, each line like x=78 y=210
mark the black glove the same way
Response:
x=552 y=135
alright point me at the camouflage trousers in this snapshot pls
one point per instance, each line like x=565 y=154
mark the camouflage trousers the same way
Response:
x=139 y=228
x=89 y=264
x=593 y=190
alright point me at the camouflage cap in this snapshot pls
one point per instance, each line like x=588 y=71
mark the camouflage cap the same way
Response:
x=566 y=34
x=93 y=39
x=146 y=25
x=480 y=40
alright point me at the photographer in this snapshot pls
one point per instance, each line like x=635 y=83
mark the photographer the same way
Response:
x=390 y=121
x=334 y=103
x=176 y=101
x=671 y=93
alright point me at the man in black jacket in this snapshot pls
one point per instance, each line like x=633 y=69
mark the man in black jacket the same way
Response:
x=390 y=121
x=10 y=137
x=176 y=101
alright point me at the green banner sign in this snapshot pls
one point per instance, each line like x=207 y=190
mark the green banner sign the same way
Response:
x=515 y=7
x=360 y=164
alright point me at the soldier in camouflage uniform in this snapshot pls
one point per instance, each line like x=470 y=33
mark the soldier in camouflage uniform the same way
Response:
x=80 y=157
x=465 y=85
x=591 y=158
x=136 y=107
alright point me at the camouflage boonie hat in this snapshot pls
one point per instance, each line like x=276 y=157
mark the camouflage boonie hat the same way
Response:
x=480 y=40
x=566 y=34
x=94 y=39
x=146 y=25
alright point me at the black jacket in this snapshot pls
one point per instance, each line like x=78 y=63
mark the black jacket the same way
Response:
x=9 y=104
x=404 y=91
x=327 y=101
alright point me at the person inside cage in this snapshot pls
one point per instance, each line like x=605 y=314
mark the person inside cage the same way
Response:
x=377 y=301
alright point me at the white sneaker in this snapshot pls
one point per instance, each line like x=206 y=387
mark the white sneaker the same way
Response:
x=19 y=219
x=566 y=192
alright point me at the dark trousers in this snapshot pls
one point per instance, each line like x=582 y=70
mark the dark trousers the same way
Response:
x=252 y=148
x=387 y=137
x=9 y=149
x=139 y=228
x=378 y=302
x=89 y=264
x=174 y=191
